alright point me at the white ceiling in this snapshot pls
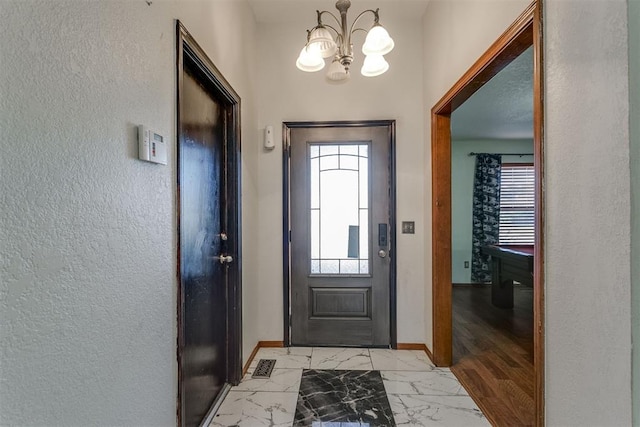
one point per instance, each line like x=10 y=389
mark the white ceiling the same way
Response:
x=272 y=11
x=501 y=109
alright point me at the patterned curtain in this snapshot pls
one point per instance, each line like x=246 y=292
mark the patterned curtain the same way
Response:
x=486 y=214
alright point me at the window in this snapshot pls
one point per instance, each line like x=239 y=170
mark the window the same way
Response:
x=517 y=204
x=339 y=208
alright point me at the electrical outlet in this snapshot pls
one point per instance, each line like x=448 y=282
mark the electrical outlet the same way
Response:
x=466 y=264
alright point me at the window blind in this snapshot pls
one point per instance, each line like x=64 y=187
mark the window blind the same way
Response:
x=517 y=192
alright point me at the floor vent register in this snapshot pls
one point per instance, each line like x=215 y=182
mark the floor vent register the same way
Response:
x=264 y=368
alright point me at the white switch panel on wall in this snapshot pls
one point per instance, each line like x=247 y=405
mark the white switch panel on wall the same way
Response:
x=152 y=147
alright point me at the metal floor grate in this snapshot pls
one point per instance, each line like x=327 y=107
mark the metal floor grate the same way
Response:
x=264 y=368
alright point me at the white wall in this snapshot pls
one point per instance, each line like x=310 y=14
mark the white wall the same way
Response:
x=634 y=124
x=288 y=94
x=88 y=289
x=455 y=34
x=462 y=176
x=587 y=251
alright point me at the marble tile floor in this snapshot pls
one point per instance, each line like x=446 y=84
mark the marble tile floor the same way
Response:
x=418 y=393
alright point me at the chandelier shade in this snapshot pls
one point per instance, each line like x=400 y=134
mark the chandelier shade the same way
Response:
x=374 y=65
x=336 y=72
x=377 y=42
x=321 y=38
x=310 y=59
x=326 y=41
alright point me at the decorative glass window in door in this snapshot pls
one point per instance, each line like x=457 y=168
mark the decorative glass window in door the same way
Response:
x=339 y=208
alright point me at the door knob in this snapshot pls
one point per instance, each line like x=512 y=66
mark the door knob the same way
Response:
x=225 y=259
x=382 y=253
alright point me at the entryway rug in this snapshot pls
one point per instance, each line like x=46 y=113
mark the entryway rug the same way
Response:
x=332 y=398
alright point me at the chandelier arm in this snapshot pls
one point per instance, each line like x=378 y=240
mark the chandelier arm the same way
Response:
x=332 y=15
x=329 y=26
x=355 y=21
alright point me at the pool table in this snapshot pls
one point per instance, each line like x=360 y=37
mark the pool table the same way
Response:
x=508 y=263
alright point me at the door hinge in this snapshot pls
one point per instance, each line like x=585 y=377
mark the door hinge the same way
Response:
x=289 y=235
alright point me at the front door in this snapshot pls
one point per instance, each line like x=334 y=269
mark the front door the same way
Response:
x=341 y=234
x=208 y=350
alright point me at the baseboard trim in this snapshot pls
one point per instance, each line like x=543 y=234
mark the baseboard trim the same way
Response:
x=259 y=345
x=475 y=285
x=271 y=344
x=250 y=359
x=416 y=346
x=280 y=344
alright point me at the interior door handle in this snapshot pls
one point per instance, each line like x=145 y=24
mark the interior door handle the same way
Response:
x=225 y=259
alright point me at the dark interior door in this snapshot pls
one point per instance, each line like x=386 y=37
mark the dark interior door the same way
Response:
x=341 y=235
x=202 y=224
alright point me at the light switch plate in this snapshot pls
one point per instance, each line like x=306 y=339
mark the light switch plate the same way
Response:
x=408 y=227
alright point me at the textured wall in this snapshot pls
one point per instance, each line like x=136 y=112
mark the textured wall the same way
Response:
x=462 y=176
x=88 y=280
x=634 y=130
x=587 y=252
x=288 y=94
x=455 y=34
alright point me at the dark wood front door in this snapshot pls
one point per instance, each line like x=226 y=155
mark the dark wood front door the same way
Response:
x=342 y=240
x=208 y=348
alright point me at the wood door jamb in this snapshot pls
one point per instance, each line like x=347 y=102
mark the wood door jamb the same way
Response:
x=525 y=31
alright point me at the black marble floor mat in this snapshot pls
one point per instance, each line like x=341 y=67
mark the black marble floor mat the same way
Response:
x=330 y=398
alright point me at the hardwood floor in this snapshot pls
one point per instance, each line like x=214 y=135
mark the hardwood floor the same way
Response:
x=493 y=353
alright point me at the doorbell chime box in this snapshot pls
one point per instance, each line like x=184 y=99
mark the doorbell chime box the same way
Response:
x=152 y=146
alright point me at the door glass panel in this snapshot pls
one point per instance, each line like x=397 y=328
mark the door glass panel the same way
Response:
x=339 y=208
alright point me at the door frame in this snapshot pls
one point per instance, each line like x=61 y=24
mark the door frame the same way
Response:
x=286 y=228
x=188 y=51
x=525 y=31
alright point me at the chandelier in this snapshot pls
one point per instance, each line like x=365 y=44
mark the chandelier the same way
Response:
x=322 y=44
